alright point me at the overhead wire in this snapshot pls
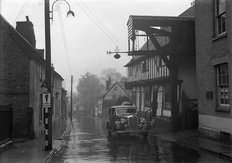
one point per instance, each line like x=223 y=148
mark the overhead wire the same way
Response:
x=97 y=23
x=63 y=35
x=106 y=29
x=22 y=10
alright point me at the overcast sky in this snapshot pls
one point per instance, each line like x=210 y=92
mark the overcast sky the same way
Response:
x=79 y=43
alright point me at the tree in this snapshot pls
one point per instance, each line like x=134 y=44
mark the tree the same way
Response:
x=112 y=73
x=89 y=89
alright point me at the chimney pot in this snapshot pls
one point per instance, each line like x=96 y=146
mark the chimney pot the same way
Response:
x=108 y=83
x=25 y=28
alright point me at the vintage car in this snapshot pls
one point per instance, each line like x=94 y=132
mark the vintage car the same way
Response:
x=123 y=119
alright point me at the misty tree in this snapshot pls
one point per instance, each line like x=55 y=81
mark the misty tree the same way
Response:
x=89 y=90
x=113 y=74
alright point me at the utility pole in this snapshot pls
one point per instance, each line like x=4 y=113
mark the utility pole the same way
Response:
x=48 y=110
x=71 y=97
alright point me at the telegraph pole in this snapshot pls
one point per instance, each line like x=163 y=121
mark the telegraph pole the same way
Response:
x=48 y=110
x=71 y=97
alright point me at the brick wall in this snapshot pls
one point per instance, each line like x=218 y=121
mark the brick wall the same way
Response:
x=14 y=80
x=210 y=51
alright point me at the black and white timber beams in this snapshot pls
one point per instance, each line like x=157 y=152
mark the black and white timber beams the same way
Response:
x=173 y=49
x=157 y=46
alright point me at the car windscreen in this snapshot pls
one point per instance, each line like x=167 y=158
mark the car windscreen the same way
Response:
x=126 y=110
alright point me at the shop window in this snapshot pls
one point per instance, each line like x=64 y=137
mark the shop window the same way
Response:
x=220 y=16
x=222 y=83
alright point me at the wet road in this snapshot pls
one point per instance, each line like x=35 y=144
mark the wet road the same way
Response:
x=87 y=142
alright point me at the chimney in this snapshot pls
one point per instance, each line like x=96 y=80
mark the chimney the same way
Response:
x=26 y=29
x=108 y=83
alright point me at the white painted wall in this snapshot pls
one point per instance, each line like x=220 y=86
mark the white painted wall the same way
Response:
x=215 y=123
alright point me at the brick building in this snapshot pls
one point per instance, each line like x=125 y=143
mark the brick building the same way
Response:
x=22 y=71
x=213 y=24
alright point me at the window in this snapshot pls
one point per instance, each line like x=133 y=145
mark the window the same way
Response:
x=222 y=85
x=126 y=110
x=144 y=66
x=147 y=98
x=220 y=8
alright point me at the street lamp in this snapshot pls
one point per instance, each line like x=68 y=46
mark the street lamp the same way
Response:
x=70 y=12
x=48 y=110
x=116 y=52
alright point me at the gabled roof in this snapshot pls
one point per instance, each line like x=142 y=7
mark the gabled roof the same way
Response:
x=31 y=53
x=113 y=87
x=190 y=12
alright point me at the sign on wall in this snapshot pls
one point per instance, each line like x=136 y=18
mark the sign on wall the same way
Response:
x=46 y=99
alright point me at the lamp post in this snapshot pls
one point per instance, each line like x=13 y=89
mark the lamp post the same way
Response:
x=48 y=110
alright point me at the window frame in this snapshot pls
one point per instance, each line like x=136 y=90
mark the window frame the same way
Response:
x=218 y=16
x=222 y=84
x=144 y=65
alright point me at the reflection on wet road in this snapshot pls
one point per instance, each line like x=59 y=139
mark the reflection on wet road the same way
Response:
x=87 y=142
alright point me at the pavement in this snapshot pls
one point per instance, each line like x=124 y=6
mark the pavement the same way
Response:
x=29 y=151
x=32 y=151
x=193 y=139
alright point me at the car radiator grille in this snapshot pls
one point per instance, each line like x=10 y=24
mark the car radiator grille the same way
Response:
x=133 y=123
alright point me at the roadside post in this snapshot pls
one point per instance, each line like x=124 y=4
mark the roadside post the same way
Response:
x=46 y=100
